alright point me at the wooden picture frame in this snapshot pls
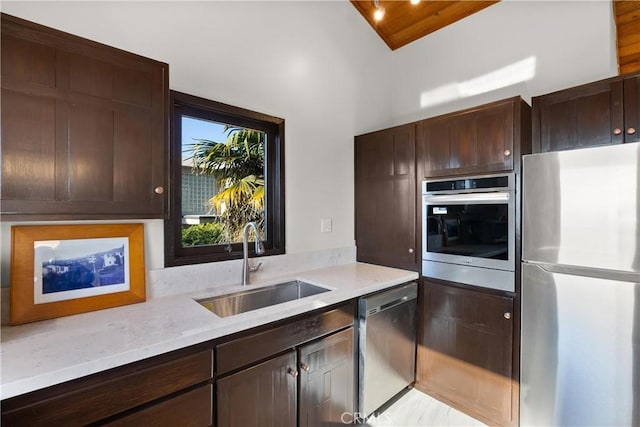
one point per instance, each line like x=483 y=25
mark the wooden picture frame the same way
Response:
x=60 y=270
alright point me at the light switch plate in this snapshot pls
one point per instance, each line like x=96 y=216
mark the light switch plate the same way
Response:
x=326 y=225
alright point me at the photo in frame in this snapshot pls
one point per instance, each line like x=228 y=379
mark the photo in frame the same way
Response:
x=59 y=270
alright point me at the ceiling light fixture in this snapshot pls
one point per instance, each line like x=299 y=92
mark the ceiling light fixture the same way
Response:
x=414 y=2
x=379 y=13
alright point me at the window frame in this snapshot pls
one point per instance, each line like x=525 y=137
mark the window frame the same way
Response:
x=274 y=238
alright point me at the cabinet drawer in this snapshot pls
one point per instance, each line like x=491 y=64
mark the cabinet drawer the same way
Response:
x=246 y=350
x=191 y=409
x=107 y=394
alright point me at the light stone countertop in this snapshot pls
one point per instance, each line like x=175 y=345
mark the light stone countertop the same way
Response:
x=41 y=354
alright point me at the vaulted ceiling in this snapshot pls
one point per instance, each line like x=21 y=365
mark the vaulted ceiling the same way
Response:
x=405 y=22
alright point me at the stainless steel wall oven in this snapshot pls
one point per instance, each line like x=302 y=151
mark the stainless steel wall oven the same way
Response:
x=468 y=230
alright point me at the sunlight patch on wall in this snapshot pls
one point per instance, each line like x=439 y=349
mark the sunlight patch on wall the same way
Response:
x=517 y=72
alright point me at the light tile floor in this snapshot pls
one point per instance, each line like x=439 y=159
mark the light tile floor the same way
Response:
x=417 y=409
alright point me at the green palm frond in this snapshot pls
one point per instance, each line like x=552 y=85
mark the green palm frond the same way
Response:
x=238 y=168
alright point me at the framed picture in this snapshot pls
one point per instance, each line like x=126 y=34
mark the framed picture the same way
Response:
x=59 y=270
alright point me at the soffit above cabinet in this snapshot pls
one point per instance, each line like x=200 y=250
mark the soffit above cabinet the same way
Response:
x=405 y=22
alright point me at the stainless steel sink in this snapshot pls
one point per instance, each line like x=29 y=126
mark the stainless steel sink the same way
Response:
x=253 y=299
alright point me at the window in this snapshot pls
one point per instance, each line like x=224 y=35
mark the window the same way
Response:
x=226 y=169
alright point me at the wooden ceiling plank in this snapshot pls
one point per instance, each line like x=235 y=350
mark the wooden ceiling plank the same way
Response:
x=630 y=68
x=627 y=18
x=429 y=24
x=622 y=7
x=404 y=16
x=630 y=49
x=628 y=33
x=630 y=16
x=404 y=22
x=414 y=28
x=630 y=59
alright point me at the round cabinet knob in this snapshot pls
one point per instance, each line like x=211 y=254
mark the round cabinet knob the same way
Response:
x=617 y=131
x=158 y=190
x=631 y=131
x=410 y=250
x=507 y=315
x=507 y=153
x=304 y=367
x=292 y=372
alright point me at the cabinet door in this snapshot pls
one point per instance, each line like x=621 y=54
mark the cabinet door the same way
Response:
x=585 y=116
x=465 y=351
x=385 y=193
x=83 y=127
x=327 y=378
x=190 y=409
x=433 y=150
x=475 y=141
x=463 y=142
x=632 y=109
x=263 y=395
x=495 y=135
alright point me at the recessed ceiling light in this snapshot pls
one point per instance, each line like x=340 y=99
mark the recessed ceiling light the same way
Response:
x=415 y=1
x=379 y=12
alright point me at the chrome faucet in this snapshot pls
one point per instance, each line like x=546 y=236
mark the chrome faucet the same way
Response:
x=259 y=248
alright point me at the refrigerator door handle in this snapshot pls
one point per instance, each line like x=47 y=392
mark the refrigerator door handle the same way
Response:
x=621 y=276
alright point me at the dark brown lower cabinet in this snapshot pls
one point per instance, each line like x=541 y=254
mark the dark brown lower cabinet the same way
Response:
x=190 y=409
x=262 y=395
x=298 y=371
x=177 y=383
x=317 y=380
x=465 y=351
x=327 y=380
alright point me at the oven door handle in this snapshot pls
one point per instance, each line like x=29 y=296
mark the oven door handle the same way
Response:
x=498 y=196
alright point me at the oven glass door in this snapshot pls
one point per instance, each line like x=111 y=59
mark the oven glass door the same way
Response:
x=471 y=229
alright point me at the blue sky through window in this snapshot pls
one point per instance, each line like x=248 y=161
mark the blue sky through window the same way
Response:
x=193 y=129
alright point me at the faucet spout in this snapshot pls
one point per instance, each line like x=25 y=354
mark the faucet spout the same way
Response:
x=259 y=249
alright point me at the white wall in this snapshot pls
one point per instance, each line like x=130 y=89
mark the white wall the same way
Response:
x=573 y=42
x=311 y=63
x=321 y=67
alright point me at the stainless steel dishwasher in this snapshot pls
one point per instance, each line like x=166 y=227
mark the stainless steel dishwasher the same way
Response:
x=387 y=345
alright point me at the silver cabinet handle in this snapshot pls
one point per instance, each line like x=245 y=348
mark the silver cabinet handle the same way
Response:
x=292 y=372
x=410 y=250
x=507 y=315
x=159 y=189
x=507 y=153
x=617 y=131
x=305 y=367
x=631 y=131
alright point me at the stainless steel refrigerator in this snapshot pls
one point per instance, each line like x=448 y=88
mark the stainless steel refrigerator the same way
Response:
x=580 y=349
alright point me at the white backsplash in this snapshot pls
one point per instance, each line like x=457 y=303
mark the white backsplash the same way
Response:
x=191 y=278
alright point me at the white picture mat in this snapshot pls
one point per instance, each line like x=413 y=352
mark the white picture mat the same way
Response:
x=48 y=250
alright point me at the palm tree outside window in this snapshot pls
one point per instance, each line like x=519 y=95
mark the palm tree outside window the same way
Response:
x=226 y=170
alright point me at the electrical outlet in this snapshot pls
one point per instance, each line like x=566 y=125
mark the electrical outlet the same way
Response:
x=326 y=225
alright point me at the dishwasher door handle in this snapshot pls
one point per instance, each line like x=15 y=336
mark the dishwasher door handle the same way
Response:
x=389 y=305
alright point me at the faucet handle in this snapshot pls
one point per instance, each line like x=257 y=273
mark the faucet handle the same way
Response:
x=255 y=267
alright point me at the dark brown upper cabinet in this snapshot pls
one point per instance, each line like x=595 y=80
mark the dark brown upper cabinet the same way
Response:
x=600 y=113
x=478 y=140
x=390 y=165
x=385 y=198
x=83 y=127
